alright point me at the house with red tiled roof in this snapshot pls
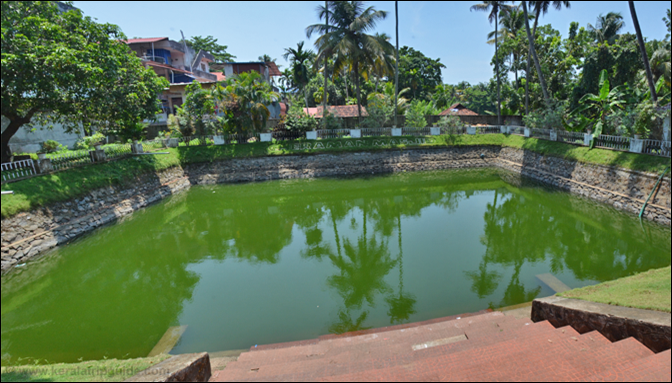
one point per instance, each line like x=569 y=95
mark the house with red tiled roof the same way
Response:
x=342 y=111
x=458 y=110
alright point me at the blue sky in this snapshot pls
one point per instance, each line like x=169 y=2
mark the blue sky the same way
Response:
x=445 y=30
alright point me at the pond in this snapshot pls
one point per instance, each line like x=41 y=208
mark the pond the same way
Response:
x=280 y=261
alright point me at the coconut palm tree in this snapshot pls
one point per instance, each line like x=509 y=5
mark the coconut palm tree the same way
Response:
x=494 y=7
x=355 y=50
x=607 y=27
x=512 y=21
x=300 y=61
x=667 y=24
x=642 y=48
x=540 y=8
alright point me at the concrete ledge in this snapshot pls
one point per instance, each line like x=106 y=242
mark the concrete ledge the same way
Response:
x=651 y=328
x=182 y=368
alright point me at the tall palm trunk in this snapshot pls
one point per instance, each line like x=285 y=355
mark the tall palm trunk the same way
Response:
x=305 y=95
x=499 y=101
x=533 y=51
x=642 y=48
x=359 y=97
x=396 y=64
x=324 y=98
x=529 y=63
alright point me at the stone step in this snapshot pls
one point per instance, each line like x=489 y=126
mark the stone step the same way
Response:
x=655 y=368
x=379 y=345
x=434 y=331
x=350 y=360
x=544 y=357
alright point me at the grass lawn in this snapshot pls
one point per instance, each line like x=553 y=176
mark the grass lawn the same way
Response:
x=97 y=371
x=66 y=185
x=648 y=291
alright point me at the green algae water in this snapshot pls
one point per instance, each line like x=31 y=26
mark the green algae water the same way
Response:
x=248 y=264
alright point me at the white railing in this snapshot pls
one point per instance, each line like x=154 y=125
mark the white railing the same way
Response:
x=72 y=159
x=613 y=142
x=61 y=161
x=571 y=137
x=18 y=169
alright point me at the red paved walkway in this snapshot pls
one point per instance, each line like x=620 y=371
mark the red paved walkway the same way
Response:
x=488 y=347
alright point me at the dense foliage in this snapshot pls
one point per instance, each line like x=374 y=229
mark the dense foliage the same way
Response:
x=65 y=68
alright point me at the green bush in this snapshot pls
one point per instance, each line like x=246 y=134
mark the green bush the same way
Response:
x=332 y=122
x=298 y=121
x=450 y=122
x=550 y=117
x=51 y=146
x=415 y=116
x=89 y=142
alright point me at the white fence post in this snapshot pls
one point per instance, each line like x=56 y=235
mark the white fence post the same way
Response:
x=471 y=130
x=136 y=148
x=396 y=132
x=587 y=138
x=636 y=145
x=436 y=131
x=44 y=164
x=528 y=132
x=311 y=135
x=356 y=133
x=219 y=140
x=554 y=135
x=266 y=137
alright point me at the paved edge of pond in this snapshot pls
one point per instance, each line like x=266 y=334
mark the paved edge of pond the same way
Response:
x=181 y=368
x=651 y=328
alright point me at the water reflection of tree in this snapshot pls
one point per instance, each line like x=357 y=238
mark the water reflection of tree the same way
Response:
x=532 y=226
x=403 y=306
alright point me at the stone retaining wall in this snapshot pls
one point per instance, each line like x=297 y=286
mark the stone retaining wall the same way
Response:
x=325 y=165
x=624 y=189
x=29 y=234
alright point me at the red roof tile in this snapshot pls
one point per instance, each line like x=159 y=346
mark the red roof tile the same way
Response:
x=458 y=110
x=220 y=76
x=273 y=69
x=336 y=111
x=146 y=40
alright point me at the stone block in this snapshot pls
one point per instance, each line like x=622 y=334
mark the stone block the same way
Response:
x=554 y=135
x=136 y=148
x=636 y=145
x=98 y=155
x=219 y=140
x=504 y=129
x=181 y=368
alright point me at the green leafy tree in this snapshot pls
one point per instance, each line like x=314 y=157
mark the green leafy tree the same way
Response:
x=600 y=105
x=512 y=22
x=198 y=108
x=244 y=98
x=65 y=68
x=346 y=37
x=209 y=44
x=419 y=73
x=267 y=59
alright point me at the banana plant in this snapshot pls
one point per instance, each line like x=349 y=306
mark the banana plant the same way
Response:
x=599 y=106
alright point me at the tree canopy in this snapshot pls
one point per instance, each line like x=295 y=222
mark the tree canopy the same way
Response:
x=210 y=45
x=66 y=68
x=419 y=73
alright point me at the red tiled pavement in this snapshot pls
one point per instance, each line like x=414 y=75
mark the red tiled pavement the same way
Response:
x=493 y=348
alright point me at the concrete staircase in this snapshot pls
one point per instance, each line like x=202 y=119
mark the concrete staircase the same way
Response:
x=486 y=347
